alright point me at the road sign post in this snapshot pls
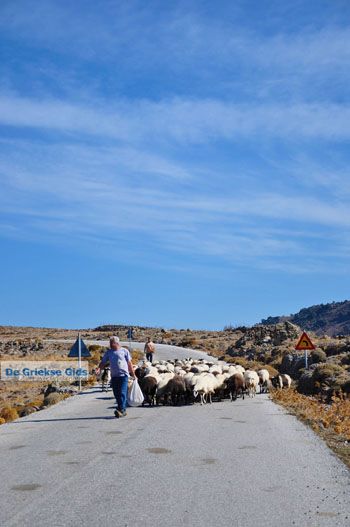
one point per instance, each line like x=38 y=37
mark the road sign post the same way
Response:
x=305 y=344
x=79 y=350
x=130 y=337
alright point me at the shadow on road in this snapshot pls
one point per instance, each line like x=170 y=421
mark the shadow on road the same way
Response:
x=88 y=392
x=63 y=419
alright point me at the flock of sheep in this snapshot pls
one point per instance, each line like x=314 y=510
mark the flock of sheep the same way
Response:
x=185 y=381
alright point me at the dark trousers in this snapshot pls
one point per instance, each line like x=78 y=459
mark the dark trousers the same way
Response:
x=120 y=390
x=149 y=356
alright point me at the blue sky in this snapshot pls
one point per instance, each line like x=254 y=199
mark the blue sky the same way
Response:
x=177 y=164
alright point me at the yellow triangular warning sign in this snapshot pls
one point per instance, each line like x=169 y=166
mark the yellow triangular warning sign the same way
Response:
x=304 y=343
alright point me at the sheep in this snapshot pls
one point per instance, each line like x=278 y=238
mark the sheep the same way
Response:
x=264 y=376
x=189 y=386
x=240 y=368
x=215 y=368
x=277 y=382
x=185 y=380
x=162 y=368
x=286 y=380
x=236 y=386
x=152 y=370
x=251 y=379
x=148 y=385
x=164 y=378
x=179 y=371
x=205 y=386
x=220 y=379
x=233 y=369
x=176 y=388
x=105 y=379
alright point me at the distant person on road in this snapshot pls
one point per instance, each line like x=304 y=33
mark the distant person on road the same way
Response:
x=131 y=333
x=121 y=366
x=149 y=349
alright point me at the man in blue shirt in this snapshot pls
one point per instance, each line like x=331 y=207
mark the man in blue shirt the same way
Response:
x=119 y=360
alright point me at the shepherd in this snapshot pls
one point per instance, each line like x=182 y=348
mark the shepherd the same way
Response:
x=121 y=366
x=149 y=349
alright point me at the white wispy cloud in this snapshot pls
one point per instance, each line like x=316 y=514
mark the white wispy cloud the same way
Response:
x=88 y=192
x=179 y=34
x=185 y=121
x=221 y=162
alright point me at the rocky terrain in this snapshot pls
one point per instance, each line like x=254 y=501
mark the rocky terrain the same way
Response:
x=324 y=319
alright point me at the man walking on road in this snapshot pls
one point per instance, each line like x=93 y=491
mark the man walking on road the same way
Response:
x=149 y=349
x=121 y=366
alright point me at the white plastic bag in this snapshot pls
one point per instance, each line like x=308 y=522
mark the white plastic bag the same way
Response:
x=135 y=397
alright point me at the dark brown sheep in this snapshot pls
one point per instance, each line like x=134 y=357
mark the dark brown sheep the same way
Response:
x=176 y=389
x=148 y=385
x=236 y=386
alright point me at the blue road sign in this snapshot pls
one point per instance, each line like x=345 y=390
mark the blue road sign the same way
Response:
x=74 y=352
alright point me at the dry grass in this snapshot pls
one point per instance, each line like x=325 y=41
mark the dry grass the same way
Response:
x=36 y=402
x=54 y=398
x=137 y=355
x=16 y=394
x=8 y=413
x=330 y=421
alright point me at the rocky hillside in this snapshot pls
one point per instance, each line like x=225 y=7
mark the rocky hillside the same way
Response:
x=324 y=319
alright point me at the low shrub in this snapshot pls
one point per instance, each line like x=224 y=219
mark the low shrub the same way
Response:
x=9 y=413
x=346 y=387
x=335 y=348
x=36 y=402
x=318 y=356
x=53 y=398
x=325 y=379
x=188 y=342
x=90 y=381
x=241 y=361
x=227 y=358
x=306 y=383
x=27 y=410
x=329 y=376
x=2 y=421
x=94 y=347
x=276 y=363
x=137 y=355
x=346 y=360
x=96 y=356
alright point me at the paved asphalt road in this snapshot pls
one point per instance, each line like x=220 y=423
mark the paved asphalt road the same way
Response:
x=239 y=464
x=163 y=351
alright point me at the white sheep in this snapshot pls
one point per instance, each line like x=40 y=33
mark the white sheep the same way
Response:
x=264 y=377
x=233 y=369
x=251 y=379
x=286 y=380
x=204 y=387
x=162 y=384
